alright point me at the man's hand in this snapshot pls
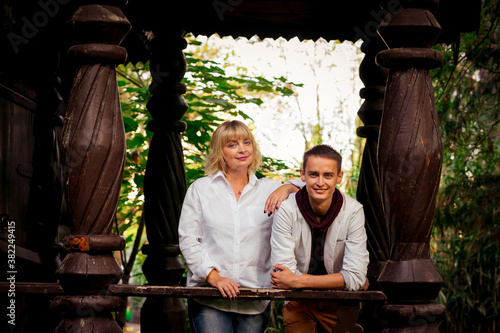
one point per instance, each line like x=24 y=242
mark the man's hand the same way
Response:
x=365 y=286
x=278 y=196
x=227 y=287
x=283 y=278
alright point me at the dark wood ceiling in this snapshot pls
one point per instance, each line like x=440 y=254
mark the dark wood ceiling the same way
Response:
x=305 y=19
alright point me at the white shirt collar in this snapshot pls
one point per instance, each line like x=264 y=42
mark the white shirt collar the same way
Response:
x=252 y=178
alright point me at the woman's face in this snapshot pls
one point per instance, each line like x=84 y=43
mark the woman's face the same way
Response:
x=238 y=154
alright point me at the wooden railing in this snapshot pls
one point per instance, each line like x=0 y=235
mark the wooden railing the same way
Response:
x=348 y=302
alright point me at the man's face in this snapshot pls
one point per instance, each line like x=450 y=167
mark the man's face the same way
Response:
x=321 y=176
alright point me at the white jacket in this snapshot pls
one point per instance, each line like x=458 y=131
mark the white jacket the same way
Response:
x=345 y=244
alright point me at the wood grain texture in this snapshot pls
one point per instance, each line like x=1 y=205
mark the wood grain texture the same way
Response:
x=94 y=149
x=410 y=158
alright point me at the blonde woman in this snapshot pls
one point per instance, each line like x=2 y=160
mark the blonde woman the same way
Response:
x=225 y=229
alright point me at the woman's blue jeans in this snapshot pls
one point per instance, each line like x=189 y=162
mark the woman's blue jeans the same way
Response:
x=205 y=319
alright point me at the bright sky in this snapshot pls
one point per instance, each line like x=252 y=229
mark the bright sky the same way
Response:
x=331 y=68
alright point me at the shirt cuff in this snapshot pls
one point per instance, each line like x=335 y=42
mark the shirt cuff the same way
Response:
x=201 y=273
x=208 y=270
x=345 y=275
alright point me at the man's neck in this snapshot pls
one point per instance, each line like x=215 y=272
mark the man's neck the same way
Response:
x=320 y=208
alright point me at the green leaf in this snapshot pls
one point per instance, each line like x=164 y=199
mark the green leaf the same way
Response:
x=130 y=124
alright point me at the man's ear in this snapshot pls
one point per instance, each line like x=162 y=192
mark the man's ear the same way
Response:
x=302 y=175
x=339 y=179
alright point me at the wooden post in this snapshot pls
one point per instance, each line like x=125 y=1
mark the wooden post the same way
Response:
x=410 y=156
x=165 y=180
x=93 y=146
x=368 y=191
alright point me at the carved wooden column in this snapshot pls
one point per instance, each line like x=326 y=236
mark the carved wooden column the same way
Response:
x=93 y=145
x=165 y=180
x=410 y=156
x=368 y=192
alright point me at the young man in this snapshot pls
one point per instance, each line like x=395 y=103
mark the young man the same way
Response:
x=318 y=242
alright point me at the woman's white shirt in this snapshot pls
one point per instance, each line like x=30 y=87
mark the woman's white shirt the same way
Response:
x=232 y=236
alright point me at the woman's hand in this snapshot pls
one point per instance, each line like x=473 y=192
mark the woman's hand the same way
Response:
x=276 y=198
x=227 y=287
x=283 y=278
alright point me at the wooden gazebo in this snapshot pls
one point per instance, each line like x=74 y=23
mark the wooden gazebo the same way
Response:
x=62 y=148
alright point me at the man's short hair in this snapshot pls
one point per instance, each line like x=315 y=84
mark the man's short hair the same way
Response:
x=324 y=151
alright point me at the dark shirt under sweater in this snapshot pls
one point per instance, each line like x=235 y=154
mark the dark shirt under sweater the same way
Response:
x=317 y=263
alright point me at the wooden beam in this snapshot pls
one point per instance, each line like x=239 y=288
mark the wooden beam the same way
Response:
x=208 y=292
x=32 y=288
x=248 y=293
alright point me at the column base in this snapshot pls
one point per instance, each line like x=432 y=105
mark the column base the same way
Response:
x=163 y=266
x=411 y=281
x=166 y=312
x=87 y=314
x=88 y=273
x=412 y=318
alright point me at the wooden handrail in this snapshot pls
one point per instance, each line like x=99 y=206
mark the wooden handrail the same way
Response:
x=347 y=301
x=247 y=293
x=206 y=292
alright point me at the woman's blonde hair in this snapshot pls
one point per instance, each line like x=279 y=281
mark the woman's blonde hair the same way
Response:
x=229 y=130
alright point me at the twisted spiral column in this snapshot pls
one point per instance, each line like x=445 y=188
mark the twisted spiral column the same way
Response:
x=368 y=191
x=93 y=148
x=410 y=156
x=165 y=179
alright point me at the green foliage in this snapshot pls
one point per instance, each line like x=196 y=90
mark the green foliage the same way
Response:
x=467 y=228
x=212 y=96
x=351 y=176
x=275 y=324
